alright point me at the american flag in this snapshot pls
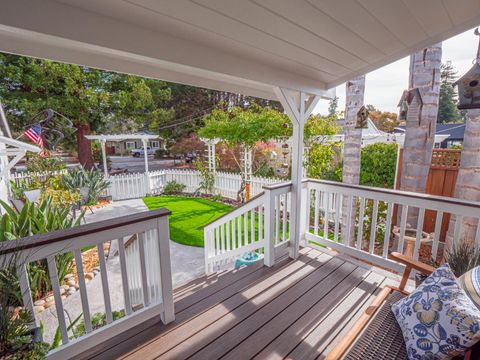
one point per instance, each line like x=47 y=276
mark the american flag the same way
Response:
x=34 y=134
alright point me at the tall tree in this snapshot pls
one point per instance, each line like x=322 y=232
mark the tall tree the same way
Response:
x=355 y=90
x=420 y=128
x=332 y=106
x=89 y=97
x=447 y=105
x=468 y=179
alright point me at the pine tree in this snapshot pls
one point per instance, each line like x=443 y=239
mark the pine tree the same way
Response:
x=447 y=107
x=332 y=106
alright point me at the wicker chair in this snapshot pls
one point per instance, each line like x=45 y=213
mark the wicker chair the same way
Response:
x=376 y=334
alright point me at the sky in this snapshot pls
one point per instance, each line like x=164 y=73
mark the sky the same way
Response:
x=383 y=87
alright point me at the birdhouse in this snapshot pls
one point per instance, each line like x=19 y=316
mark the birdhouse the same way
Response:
x=410 y=105
x=469 y=89
x=362 y=118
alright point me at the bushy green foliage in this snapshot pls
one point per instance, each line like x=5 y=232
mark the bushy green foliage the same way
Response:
x=378 y=162
x=98 y=320
x=16 y=338
x=61 y=198
x=37 y=163
x=37 y=219
x=208 y=177
x=324 y=161
x=173 y=187
x=377 y=168
x=92 y=179
x=246 y=127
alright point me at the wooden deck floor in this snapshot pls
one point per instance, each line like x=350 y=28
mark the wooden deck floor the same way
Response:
x=296 y=309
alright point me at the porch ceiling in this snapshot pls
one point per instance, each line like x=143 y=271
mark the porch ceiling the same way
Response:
x=246 y=46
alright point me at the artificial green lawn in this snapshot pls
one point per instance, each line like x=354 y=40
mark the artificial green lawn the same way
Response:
x=189 y=216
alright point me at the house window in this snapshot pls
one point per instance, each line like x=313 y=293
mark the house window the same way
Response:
x=130 y=145
x=154 y=144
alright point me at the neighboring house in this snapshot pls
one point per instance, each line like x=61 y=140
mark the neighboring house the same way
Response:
x=453 y=132
x=124 y=147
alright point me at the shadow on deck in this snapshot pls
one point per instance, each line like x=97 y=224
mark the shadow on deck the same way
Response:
x=297 y=309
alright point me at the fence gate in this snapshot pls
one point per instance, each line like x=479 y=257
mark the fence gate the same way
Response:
x=441 y=181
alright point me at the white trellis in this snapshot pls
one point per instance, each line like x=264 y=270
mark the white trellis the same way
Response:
x=120 y=137
x=212 y=162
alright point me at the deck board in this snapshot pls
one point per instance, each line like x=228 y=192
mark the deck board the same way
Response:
x=296 y=309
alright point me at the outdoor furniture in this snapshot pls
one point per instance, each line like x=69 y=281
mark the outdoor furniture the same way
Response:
x=376 y=334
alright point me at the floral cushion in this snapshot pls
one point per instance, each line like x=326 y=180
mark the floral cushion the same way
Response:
x=470 y=283
x=438 y=320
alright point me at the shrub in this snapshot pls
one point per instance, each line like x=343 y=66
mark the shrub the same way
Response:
x=37 y=163
x=378 y=165
x=173 y=187
x=160 y=153
x=217 y=198
x=61 y=198
x=92 y=179
x=324 y=161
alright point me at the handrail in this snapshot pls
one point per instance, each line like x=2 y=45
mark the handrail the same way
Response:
x=29 y=242
x=277 y=186
x=144 y=269
x=409 y=194
x=249 y=202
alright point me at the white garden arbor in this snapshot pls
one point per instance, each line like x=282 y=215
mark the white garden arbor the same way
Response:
x=145 y=138
x=292 y=51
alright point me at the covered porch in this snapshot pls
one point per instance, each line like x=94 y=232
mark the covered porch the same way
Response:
x=323 y=266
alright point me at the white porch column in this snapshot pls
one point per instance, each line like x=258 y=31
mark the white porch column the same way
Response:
x=298 y=106
x=104 y=156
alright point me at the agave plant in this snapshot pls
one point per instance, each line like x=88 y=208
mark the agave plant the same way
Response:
x=91 y=179
x=37 y=219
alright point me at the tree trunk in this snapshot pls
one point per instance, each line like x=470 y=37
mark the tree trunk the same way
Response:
x=468 y=180
x=351 y=152
x=420 y=131
x=85 y=157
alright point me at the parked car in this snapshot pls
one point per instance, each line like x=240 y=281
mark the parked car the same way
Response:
x=139 y=152
x=190 y=157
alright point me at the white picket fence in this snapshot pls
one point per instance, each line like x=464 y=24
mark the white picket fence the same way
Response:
x=137 y=185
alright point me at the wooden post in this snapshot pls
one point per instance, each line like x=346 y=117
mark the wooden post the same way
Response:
x=269 y=256
x=163 y=234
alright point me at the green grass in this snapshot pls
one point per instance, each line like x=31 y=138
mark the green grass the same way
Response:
x=189 y=216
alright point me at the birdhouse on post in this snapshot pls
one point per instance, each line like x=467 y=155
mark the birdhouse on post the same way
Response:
x=362 y=118
x=410 y=105
x=469 y=85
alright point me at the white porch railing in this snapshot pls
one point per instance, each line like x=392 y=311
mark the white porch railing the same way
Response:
x=324 y=225
x=259 y=225
x=147 y=291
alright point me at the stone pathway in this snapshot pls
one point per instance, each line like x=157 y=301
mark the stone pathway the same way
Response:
x=187 y=264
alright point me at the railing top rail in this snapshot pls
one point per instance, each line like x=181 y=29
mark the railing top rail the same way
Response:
x=219 y=219
x=409 y=194
x=82 y=230
x=277 y=186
